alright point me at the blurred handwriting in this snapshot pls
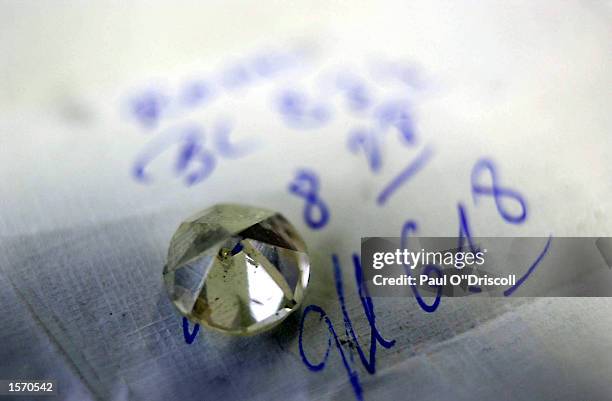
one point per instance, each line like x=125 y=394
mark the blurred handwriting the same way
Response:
x=379 y=116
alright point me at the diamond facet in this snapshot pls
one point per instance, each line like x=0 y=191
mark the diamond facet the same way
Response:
x=237 y=269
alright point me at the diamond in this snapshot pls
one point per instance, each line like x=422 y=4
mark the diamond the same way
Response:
x=236 y=269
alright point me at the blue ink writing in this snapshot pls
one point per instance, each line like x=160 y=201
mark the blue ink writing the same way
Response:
x=533 y=266
x=190 y=140
x=299 y=112
x=151 y=106
x=147 y=107
x=369 y=362
x=466 y=235
x=368 y=142
x=497 y=192
x=193 y=161
x=355 y=92
x=190 y=337
x=414 y=167
x=306 y=185
x=411 y=226
x=195 y=93
x=395 y=114
x=353 y=376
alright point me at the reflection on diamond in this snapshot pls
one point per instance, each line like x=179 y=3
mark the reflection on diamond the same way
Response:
x=264 y=294
x=237 y=269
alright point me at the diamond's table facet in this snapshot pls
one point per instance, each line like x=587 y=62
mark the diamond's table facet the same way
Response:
x=236 y=269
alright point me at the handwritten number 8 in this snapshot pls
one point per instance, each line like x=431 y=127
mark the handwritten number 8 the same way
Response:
x=306 y=185
x=498 y=192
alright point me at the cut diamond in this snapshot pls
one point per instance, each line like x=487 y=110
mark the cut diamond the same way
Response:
x=236 y=269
